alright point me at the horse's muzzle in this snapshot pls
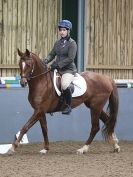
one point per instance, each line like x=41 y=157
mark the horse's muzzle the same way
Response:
x=23 y=82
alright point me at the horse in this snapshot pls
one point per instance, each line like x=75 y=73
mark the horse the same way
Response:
x=101 y=90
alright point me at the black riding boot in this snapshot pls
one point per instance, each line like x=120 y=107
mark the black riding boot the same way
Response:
x=68 y=98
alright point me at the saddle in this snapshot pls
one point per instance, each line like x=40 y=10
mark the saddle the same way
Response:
x=78 y=86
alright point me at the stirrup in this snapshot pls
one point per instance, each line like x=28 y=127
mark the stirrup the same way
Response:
x=67 y=110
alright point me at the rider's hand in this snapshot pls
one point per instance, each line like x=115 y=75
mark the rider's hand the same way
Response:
x=45 y=61
x=54 y=66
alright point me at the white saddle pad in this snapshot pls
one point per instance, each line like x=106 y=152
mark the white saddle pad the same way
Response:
x=79 y=82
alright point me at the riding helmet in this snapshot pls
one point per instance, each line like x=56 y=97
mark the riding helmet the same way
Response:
x=65 y=24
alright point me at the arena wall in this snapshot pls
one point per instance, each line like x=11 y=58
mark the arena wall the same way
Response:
x=25 y=24
x=109 y=37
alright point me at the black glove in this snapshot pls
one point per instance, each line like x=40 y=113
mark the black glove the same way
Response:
x=45 y=61
x=54 y=66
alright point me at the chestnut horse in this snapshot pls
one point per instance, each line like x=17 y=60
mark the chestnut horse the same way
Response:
x=43 y=99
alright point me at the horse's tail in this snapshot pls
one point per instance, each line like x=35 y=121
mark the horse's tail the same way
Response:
x=112 y=112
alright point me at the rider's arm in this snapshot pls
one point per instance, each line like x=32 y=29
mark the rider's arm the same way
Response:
x=51 y=55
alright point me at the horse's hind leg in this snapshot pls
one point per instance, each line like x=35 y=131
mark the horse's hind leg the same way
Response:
x=95 y=128
x=113 y=139
x=43 y=124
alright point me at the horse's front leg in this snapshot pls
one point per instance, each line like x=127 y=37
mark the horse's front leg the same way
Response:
x=35 y=117
x=43 y=123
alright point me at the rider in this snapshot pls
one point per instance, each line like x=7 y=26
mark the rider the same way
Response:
x=65 y=50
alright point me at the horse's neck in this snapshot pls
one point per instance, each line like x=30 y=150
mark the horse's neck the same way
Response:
x=38 y=66
x=41 y=79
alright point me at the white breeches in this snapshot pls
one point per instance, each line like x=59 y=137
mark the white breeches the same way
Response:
x=66 y=79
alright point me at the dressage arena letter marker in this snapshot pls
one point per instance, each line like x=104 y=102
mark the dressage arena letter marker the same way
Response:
x=24 y=139
x=4 y=148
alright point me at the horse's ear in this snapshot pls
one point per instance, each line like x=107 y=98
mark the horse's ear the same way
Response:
x=20 y=53
x=27 y=52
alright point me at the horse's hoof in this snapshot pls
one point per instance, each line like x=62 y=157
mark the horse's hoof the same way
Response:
x=83 y=150
x=117 y=149
x=44 y=151
x=10 y=151
x=80 y=151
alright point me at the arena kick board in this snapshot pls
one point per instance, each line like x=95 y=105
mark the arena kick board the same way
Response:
x=15 y=111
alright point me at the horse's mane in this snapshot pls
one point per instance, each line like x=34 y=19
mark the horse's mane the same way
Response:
x=35 y=55
x=38 y=60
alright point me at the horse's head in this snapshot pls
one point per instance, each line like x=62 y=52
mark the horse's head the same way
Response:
x=26 y=65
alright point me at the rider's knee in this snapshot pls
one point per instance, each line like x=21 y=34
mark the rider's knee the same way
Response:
x=65 y=85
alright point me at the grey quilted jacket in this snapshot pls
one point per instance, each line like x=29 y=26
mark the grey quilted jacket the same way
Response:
x=65 y=52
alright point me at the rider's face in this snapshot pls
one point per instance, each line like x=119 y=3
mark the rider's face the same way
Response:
x=63 y=32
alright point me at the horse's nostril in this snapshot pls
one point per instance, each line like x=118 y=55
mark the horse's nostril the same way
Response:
x=23 y=82
x=22 y=85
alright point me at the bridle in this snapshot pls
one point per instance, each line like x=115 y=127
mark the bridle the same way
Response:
x=30 y=74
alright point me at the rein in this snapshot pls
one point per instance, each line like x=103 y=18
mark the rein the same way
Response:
x=32 y=77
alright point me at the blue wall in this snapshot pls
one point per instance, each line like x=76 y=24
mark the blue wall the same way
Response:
x=15 y=111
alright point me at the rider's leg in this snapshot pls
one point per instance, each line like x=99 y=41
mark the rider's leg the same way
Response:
x=68 y=98
x=65 y=82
